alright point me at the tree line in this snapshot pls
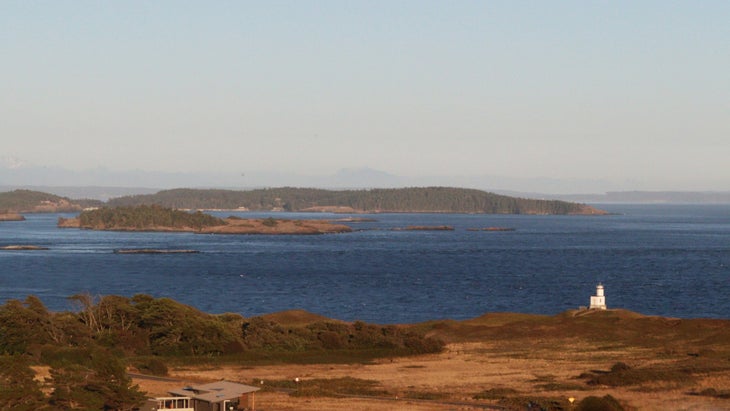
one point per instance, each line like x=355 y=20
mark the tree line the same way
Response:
x=145 y=216
x=89 y=349
x=30 y=201
x=416 y=199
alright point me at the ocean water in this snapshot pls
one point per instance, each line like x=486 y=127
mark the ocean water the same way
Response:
x=668 y=260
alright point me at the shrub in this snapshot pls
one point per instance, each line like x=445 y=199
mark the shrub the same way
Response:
x=535 y=403
x=18 y=388
x=620 y=366
x=151 y=366
x=270 y=222
x=495 y=394
x=606 y=403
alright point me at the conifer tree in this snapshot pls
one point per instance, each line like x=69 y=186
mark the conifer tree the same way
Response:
x=18 y=388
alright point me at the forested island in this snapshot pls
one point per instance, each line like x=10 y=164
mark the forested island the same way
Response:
x=407 y=200
x=157 y=218
x=396 y=200
x=29 y=201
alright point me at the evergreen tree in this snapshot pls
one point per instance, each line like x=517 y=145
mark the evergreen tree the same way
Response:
x=100 y=383
x=18 y=388
x=23 y=324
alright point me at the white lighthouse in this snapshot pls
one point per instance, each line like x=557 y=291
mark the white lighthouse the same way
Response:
x=598 y=301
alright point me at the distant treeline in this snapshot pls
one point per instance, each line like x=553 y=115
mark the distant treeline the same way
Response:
x=144 y=216
x=143 y=325
x=416 y=199
x=29 y=201
x=428 y=199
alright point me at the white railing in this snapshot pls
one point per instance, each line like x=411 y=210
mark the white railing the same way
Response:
x=174 y=403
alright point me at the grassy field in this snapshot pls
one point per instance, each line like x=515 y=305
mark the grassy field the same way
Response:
x=505 y=361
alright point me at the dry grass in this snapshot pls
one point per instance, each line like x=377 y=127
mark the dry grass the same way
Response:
x=503 y=359
x=295 y=318
x=277 y=226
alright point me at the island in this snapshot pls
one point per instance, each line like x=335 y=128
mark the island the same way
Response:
x=425 y=228
x=492 y=229
x=11 y=217
x=29 y=201
x=161 y=219
x=153 y=251
x=377 y=200
x=22 y=248
x=292 y=199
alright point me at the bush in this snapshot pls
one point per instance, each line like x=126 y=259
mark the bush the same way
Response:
x=270 y=222
x=18 y=388
x=535 y=403
x=151 y=366
x=620 y=366
x=592 y=403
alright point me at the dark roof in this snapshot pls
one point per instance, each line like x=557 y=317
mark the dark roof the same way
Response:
x=215 y=391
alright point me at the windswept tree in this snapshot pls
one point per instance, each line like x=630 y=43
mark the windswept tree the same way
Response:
x=99 y=382
x=23 y=324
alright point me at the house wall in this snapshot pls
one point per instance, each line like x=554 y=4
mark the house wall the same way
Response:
x=203 y=406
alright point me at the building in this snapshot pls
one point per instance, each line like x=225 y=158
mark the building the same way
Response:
x=216 y=396
x=598 y=301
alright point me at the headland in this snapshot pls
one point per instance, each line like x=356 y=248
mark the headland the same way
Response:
x=498 y=361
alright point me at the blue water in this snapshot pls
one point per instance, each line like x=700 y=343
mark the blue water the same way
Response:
x=668 y=260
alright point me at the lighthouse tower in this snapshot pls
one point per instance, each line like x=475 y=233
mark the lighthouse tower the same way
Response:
x=598 y=301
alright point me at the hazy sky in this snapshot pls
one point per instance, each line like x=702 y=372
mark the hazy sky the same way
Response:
x=624 y=91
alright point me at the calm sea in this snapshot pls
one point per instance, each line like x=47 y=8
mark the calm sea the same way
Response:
x=668 y=260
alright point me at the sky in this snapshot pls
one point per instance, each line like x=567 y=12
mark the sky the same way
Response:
x=635 y=93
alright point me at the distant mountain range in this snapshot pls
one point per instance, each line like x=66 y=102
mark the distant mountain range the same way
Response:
x=15 y=173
